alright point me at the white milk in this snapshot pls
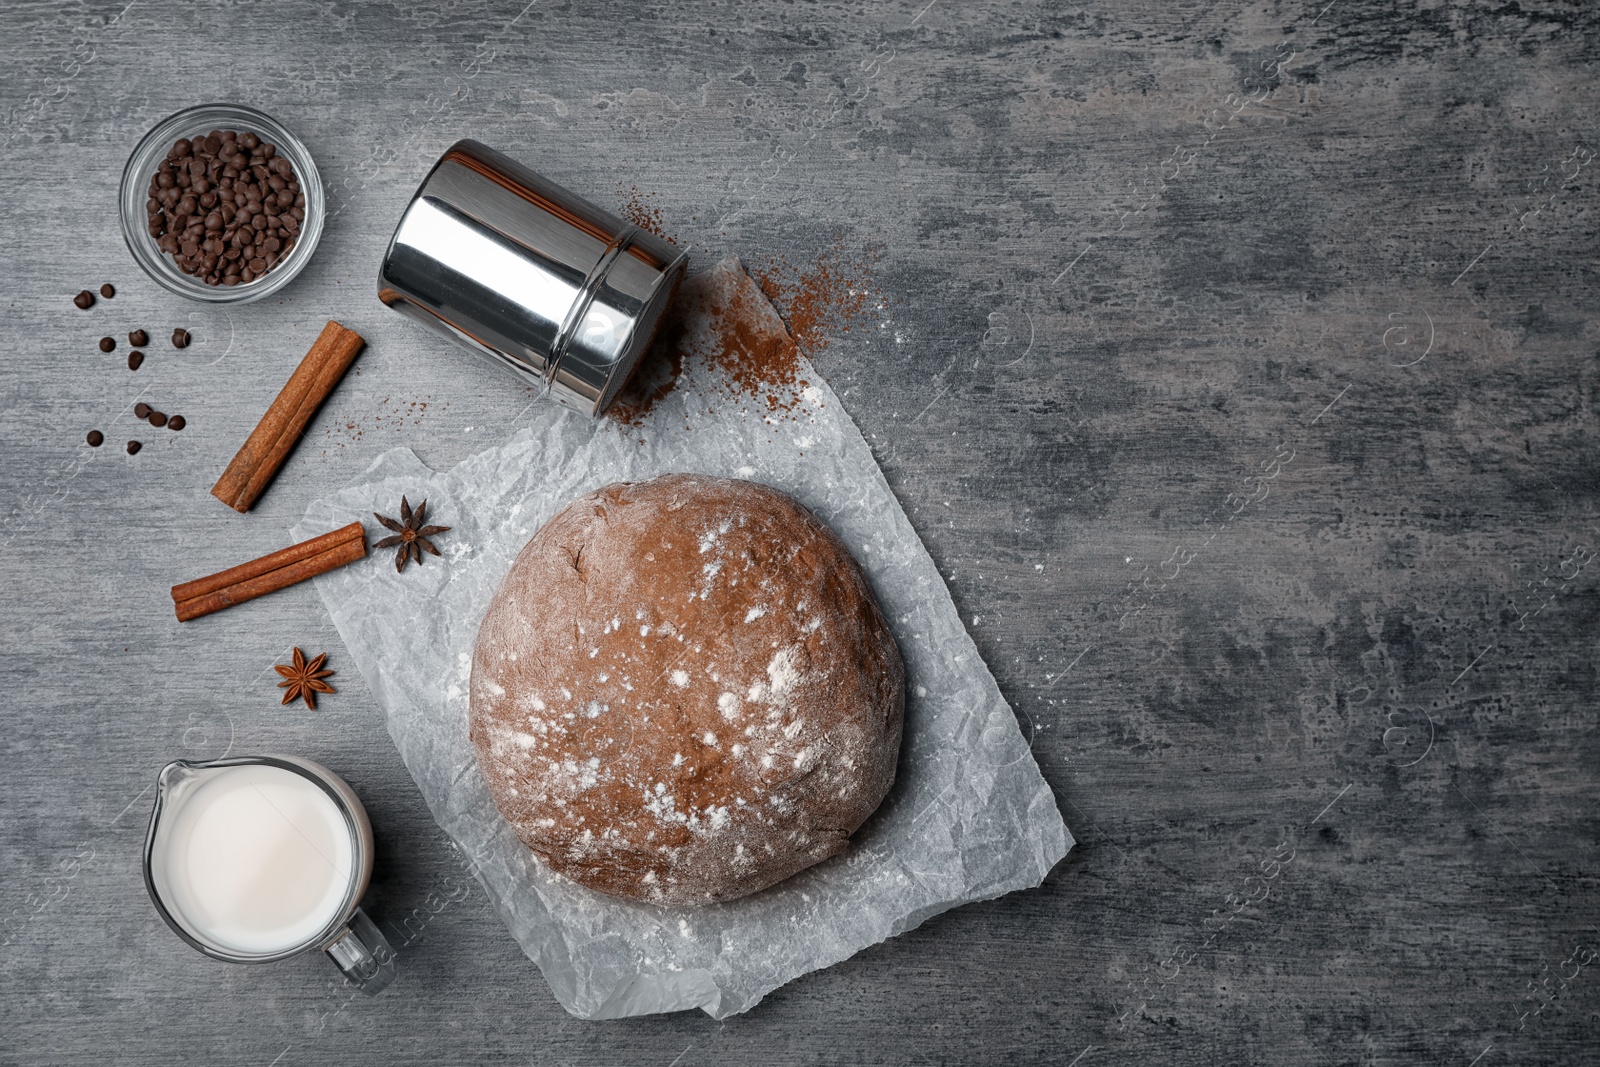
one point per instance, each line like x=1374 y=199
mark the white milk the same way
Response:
x=258 y=859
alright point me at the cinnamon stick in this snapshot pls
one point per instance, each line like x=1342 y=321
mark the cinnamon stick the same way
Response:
x=270 y=573
x=274 y=437
x=257 y=567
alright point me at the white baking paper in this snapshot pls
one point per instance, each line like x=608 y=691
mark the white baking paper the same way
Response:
x=969 y=817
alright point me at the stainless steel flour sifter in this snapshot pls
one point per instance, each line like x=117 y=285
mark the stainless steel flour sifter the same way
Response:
x=536 y=278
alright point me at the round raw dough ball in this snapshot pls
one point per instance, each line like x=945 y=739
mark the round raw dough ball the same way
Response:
x=684 y=691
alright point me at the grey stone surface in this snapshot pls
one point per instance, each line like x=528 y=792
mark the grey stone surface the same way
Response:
x=1238 y=366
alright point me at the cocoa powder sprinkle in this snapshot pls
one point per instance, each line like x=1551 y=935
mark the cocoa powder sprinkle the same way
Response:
x=756 y=357
x=760 y=363
x=643 y=214
x=822 y=299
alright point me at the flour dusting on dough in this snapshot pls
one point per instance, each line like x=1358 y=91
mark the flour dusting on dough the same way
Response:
x=737 y=730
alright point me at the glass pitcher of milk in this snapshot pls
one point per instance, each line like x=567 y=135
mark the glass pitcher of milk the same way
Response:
x=258 y=858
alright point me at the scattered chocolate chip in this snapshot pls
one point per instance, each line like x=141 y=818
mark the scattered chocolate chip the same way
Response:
x=108 y=291
x=177 y=422
x=107 y=344
x=84 y=300
x=138 y=338
x=135 y=358
x=133 y=448
x=96 y=438
x=142 y=410
x=180 y=338
x=157 y=419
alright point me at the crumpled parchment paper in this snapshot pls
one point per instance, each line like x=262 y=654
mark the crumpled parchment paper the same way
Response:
x=969 y=817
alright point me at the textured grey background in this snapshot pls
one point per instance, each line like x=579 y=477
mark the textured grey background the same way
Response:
x=1238 y=366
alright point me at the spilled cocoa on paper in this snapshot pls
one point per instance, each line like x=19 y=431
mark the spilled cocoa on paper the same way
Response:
x=822 y=299
x=759 y=327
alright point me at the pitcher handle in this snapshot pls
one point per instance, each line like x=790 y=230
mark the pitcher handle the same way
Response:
x=362 y=954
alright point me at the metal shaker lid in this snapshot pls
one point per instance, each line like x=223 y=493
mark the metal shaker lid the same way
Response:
x=529 y=275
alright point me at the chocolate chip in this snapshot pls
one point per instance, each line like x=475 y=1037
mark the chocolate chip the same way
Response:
x=177 y=422
x=107 y=344
x=133 y=448
x=221 y=193
x=180 y=338
x=142 y=410
x=96 y=438
x=157 y=419
x=138 y=338
x=84 y=300
x=135 y=359
x=108 y=291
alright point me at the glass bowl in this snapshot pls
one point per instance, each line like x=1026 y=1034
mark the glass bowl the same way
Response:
x=197 y=122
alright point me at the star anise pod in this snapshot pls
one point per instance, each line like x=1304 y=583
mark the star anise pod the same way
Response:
x=305 y=680
x=409 y=534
